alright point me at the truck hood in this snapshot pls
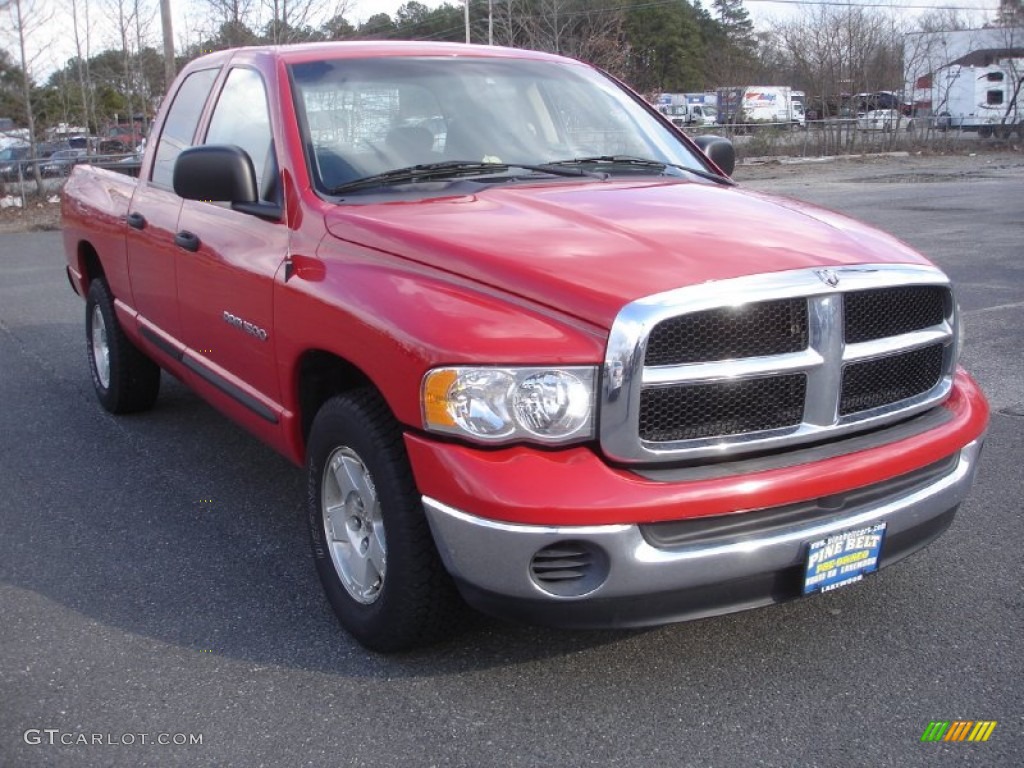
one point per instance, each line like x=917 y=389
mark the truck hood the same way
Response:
x=590 y=248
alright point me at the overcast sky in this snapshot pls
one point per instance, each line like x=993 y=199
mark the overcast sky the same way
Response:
x=760 y=10
x=55 y=43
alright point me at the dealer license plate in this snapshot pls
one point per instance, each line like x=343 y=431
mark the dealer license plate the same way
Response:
x=843 y=558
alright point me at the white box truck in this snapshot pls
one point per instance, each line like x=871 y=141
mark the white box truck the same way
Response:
x=685 y=109
x=760 y=104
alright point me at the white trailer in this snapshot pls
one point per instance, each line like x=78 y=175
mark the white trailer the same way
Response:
x=979 y=98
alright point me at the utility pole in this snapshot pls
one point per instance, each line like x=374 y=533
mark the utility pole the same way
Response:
x=165 y=22
x=490 y=22
x=467 y=20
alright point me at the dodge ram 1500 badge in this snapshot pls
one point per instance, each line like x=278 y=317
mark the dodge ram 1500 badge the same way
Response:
x=535 y=350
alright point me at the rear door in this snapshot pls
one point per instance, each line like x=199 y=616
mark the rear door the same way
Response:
x=154 y=209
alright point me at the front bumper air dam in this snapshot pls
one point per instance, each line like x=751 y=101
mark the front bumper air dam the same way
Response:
x=647 y=585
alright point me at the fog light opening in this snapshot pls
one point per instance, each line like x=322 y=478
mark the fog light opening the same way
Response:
x=569 y=568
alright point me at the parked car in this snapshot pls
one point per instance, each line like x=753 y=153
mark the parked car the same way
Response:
x=13 y=160
x=878 y=120
x=61 y=162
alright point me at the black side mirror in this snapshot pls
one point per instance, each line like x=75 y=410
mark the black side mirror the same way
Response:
x=215 y=172
x=720 y=151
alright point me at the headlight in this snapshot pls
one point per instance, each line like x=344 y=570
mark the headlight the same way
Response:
x=551 y=405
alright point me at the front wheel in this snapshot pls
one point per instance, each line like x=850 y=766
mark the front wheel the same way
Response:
x=125 y=380
x=371 y=541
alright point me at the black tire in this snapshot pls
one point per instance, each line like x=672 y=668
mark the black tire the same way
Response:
x=132 y=381
x=411 y=601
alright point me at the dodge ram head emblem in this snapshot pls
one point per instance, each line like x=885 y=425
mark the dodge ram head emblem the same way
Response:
x=828 y=277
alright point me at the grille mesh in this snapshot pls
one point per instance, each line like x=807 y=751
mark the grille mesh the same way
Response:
x=876 y=314
x=689 y=412
x=765 y=328
x=886 y=380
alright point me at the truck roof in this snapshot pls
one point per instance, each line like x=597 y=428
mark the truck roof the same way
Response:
x=305 y=52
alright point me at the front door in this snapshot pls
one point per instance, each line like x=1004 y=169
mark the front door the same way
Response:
x=227 y=261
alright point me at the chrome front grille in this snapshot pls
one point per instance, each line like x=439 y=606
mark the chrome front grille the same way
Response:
x=761 y=362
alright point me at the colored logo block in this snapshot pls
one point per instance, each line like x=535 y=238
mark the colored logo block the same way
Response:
x=959 y=730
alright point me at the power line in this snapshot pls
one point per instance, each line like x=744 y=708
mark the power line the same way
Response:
x=894 y=6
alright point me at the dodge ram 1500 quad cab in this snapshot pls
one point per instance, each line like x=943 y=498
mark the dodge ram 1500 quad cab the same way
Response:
x=536 y=351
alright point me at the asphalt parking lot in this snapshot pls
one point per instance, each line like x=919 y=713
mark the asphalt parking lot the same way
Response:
x=155 y=580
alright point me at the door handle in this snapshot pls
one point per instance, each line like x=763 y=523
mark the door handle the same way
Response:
x=136 y=220
x=187 y=240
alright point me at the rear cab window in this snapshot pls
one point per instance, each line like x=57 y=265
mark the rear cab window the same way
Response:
x=179 y=127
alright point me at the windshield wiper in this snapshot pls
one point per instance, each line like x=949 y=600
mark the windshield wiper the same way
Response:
x=642 y=162
x=449 y=169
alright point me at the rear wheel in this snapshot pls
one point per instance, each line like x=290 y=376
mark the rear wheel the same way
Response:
x=125 y=380
x=371 y=541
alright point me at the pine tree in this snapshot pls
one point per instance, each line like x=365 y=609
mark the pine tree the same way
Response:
x=735 y=20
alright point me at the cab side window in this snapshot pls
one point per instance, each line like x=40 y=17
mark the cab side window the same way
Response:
x=180 y=126
x=241 y=117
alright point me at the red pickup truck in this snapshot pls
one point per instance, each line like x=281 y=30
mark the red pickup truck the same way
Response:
x=536 y=351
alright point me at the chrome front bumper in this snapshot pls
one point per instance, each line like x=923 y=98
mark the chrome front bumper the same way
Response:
x=645 y=584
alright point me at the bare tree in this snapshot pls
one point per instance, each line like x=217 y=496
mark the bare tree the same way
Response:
x=573 y=28
x=232 y=11
x=288 y=19
x=233 y=21
x=926 y=51
x=121 y=11
x=26 y=21
x=512 y=23
x=133 y=20
x=552 y=24
x=82 y=54
x=1010 y=13
x=143 y=16
x=838 y=52
x=1011 y=61
x=595 y=35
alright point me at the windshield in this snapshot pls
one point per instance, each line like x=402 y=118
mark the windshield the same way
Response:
x=364 y=117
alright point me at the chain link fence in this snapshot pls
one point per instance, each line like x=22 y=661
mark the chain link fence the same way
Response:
x=19 y=184
x=851 y=136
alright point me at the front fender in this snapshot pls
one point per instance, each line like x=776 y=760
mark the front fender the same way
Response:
x=394 y=320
